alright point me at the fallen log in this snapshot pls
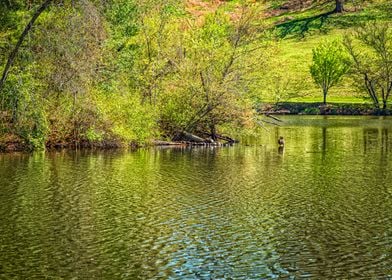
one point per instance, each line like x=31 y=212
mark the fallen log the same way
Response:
x=166 y=143
x=272 y=117
x=186 y=136
x=271 y=123
x=226 y=138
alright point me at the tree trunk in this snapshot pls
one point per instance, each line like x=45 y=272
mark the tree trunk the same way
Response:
x=384 y=104
x=14 y=52
x=213 y=132
x=339 y=6
x=325 y=91
x=371 y=91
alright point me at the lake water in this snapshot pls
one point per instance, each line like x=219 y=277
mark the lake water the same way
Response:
x=319 y=209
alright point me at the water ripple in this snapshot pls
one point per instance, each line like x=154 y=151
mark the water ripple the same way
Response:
x=223 y=213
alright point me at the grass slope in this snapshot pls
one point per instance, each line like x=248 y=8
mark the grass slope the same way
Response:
x=302 y=29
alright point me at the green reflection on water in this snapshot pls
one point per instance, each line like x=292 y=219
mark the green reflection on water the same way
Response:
x=320 y=208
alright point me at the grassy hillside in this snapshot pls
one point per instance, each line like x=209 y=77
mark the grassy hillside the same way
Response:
x=302 y=29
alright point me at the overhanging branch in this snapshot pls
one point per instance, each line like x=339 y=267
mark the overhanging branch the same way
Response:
x=14 y=52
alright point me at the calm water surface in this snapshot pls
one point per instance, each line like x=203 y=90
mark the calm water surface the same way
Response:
x=319 y=209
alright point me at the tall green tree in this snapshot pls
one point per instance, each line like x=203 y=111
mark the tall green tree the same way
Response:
x=329 y=65
x=370 y=49
x=220 y=61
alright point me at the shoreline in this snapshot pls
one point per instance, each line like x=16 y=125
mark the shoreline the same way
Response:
x=15 y=144
x=318 y=108
x=20 y=146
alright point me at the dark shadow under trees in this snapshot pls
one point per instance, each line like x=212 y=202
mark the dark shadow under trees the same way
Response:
x=299 y=27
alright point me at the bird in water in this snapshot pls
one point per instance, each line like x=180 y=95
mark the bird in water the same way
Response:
x=281 y=141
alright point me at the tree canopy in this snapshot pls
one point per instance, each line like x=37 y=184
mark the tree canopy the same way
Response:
x=329 y=65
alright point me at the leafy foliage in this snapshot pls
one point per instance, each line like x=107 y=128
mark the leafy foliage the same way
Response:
x=329 y=65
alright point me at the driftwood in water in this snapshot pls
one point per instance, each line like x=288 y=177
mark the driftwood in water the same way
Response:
x=226 y=138
x=261 y=122
x=271 y=123
x=166 y=143
x=274 y=118
x=186 y=136
x=192 y=139
x=210 y=137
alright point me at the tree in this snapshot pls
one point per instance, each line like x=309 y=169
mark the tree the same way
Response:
x=157 y=48
x=370 y=49
x=221 y=60
x=329 y=66
x=14 y=52
x=339 y=6
x=197 y=76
